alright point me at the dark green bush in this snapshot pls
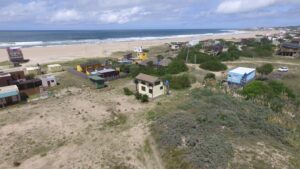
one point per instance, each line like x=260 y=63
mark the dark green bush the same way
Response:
x=210 y=76
x=127 y=92
x=265 y=69
x=138 y=96
x=176 y=66
x=213 y=65
x=144 y=98
x=179 y=81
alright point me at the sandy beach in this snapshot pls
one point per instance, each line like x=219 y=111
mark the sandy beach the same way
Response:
x=62 y=53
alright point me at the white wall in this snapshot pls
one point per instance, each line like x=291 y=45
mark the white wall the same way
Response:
x=156 y=90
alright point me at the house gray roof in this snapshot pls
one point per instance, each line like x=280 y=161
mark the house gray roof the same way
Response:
x=147 y=78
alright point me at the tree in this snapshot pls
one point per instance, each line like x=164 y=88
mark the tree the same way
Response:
x=176 y=66
x=265 y=69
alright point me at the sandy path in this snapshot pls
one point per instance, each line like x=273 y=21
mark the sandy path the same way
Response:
x=70 y=52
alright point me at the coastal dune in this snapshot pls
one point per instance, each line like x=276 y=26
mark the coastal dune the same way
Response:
x=61 y=53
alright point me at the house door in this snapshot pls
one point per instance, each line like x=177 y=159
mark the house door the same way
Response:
x=49 y=84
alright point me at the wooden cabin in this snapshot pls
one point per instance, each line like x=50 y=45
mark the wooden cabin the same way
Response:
x=98 y=81
x=29 y=87
x=48 y=81
x=54 y=68
x=289 y=49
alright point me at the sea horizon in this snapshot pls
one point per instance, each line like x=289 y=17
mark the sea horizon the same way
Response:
x=31 y=38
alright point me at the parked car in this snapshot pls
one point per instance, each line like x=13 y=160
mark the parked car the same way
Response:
x=283 y=69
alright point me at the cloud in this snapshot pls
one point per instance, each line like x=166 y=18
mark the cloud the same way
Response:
x=122 y=16
x=236 y=6
x=19 y=11
x=66 y=15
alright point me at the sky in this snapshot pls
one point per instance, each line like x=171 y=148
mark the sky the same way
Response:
x=146 y=14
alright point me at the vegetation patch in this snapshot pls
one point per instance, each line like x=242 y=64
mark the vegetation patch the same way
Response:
x=201 y=131
x=213 y=65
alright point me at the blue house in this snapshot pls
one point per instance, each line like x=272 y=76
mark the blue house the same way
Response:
x=9 y=95
x=240 y=76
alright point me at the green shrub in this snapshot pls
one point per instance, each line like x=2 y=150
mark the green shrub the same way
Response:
x=138 y=96
x=213 y=65
x=265 y=69
x=210 y=76
x=127 y=91
x=179 y=81
x=144 y=98
x=176 y=66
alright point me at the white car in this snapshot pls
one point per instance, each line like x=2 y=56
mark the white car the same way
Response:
x=283 y=69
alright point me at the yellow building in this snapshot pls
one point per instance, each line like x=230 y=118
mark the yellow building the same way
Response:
x=142 y=56
x=88 y=67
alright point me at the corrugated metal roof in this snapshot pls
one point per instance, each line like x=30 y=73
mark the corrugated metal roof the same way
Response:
x=291 y=45
x=242 y=70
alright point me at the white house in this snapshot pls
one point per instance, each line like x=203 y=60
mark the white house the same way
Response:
x=48 y=81
x=55 y=68
x=149 y=85
x=36 y=70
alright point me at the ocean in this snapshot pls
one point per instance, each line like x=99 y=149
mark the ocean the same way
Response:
x=67 y=37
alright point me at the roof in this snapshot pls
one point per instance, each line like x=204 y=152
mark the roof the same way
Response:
x=8 y=91
x=106 y=71
x=96 y=78
x=13 y=70
x=54 y=65
x=47 y=77
x=242 y=70
x=5 y=75
x=291 y=45
x=32 y=68
x=147 y=78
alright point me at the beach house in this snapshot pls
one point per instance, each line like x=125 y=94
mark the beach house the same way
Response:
x=11 y=76
x=240 y=76
x=54 y=68
x=289 y=49
x=149 y=85
x=89 y=67
x=35 y=70
x=48 y=81
x=9 y=95
x=29 y=87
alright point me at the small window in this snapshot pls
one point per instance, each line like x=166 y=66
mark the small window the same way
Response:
x=157 y=83
x=143 y=88
x=150 y=91
x=161 y=88
x=52 y=81
x=151 y=85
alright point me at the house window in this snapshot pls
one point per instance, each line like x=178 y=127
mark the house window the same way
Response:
x=143 y=83
x=52 y=81
x=143 y=88
x=151 y=85
x=157 y=83
x=161 y=87
x=150 y=91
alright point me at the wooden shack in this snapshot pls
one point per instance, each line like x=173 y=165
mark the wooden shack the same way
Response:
x=98 y=81
x=54 y=68
x=29 y=87
x=149 y=85
x=89 y=67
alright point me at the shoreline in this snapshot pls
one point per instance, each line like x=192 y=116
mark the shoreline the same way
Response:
x=63 y=53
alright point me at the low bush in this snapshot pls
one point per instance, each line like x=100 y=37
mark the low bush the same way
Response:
x=265 y=69
x=179 y=81
x=213 y=65
x=127 y=91
x=210 y=76
x=138 y=96
x=144 y=98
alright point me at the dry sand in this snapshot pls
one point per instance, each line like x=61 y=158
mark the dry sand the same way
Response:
x=51 y=54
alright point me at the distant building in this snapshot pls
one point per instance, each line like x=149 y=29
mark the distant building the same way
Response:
x=9 y=95
x=240 y=76
x=289 y=49
x=15 y=54
x=10 y=77
x=54 y=68
x=149 y=85
x=29 y=87
x=89 y=67
x=36 y=70
x=98 y=81
x=107 y=73
x=48 y=81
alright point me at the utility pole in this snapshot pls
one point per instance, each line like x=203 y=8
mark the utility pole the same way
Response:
x=187 y=56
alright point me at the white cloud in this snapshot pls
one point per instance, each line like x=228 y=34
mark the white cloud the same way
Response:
x=236 y=6
x=66 y=15
x=122 y=16
x=18 y=11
